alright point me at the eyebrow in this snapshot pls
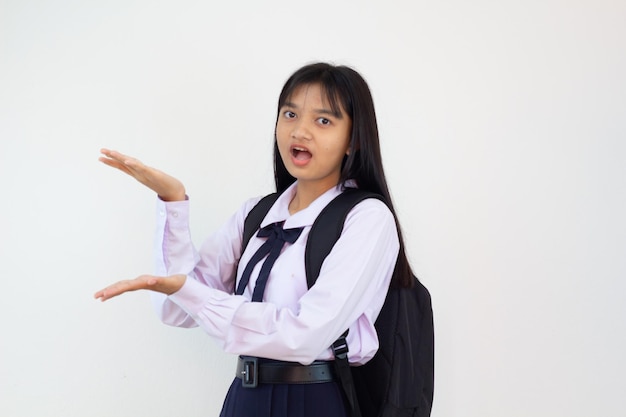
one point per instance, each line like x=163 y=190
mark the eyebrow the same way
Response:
x=325 y=111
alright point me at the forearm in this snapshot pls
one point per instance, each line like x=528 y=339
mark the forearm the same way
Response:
x=214 y=265
x=348 y=294
x=173 y=247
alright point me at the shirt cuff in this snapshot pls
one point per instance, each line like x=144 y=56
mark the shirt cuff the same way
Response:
x=175 y=212
x=202 y=302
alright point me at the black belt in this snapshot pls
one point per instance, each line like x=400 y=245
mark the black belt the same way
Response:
x=253 y=371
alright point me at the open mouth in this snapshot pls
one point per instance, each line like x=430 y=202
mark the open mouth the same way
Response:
x=300 y=154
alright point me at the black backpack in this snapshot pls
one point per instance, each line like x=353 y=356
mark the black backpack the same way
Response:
x=398 y=380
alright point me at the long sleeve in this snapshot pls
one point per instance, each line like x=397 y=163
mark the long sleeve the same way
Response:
x=293 y=323
x=214 y=265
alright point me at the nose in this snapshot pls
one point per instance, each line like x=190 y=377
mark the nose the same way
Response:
x=301 y=130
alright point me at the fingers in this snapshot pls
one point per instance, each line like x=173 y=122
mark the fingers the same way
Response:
x=121 y=287
x=118 y=156
x=165 y=285
x=115 y=164
x=166 y=186
x=122 y=162
x=116 y=159
x=114 y=290
x=132 y=167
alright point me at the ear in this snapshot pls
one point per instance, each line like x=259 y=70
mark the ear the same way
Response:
x=349 y=150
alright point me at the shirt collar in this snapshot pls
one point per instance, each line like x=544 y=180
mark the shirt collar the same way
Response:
x=305 y=217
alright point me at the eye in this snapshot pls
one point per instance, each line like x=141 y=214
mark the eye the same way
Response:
x=289 y=114
x=323 y=121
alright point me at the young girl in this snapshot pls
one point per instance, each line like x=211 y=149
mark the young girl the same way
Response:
x=326 y=140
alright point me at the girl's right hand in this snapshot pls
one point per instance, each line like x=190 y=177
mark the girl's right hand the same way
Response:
x=167 y=187
x=166 y=285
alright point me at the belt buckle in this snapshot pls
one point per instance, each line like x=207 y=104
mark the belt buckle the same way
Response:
x=250 y=373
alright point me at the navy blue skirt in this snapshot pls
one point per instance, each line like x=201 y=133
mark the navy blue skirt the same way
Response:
x=284 y=400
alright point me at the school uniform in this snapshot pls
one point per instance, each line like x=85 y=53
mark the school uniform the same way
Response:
x=293 y=323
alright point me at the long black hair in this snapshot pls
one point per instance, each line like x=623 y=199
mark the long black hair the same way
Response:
x=345 y=89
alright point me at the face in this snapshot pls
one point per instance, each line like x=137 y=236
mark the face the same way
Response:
x=312 y=140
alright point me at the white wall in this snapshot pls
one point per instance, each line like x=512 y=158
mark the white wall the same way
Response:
x=503 y=128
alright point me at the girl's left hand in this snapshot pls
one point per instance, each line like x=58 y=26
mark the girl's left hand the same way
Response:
x=166 y=285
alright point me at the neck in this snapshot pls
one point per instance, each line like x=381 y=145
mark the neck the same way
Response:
x=306 y=193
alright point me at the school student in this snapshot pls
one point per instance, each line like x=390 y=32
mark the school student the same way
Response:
x=257 y=305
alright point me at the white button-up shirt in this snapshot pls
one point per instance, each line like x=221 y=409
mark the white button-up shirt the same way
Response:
x=293 y=323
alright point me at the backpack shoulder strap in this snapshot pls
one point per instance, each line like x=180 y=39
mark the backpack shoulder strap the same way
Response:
x=327 y=229
x=255 y=217
x=324 y=233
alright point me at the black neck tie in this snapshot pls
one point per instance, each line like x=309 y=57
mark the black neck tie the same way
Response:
x=276 y=239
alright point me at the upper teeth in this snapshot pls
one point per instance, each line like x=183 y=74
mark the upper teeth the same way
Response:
x=300 y=149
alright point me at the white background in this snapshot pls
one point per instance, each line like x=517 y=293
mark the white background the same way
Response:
x=503 y=127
